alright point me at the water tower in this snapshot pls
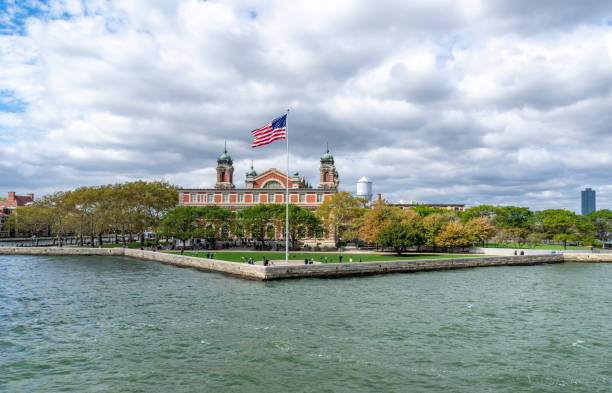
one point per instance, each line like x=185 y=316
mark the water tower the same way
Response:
x=364 y=189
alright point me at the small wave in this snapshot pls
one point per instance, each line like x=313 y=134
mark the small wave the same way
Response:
x=578 y=342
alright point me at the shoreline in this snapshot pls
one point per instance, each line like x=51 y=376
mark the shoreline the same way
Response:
x=328 y=270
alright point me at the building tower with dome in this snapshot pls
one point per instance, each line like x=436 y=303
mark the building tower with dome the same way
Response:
x=266 y=187
x=328 y=173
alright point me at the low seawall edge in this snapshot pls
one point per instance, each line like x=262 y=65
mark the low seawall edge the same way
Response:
x=332 y=270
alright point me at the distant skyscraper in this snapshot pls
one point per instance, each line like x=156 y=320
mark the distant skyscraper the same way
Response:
x=588 y=201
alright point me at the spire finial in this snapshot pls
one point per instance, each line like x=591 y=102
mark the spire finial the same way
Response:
x=251 y=164
x=225 y=146
x=327 y=143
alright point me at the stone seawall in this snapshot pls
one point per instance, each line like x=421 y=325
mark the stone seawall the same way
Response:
x=213 y=265
x=369 y=268
x=244 y=270
x=588 y=257
x=258 y=272
x=59 y=251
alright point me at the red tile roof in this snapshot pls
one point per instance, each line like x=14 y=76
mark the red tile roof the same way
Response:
x=19 y=201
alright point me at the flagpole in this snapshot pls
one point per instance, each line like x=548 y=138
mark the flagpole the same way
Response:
x=287 y=194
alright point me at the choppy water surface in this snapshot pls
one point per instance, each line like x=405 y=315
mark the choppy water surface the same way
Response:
x=112 y=324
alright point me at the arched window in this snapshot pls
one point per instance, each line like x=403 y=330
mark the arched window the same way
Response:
x=273 y=184
x=325 y=177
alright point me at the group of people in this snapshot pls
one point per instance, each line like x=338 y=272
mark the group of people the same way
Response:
x=250 y=261
x=516 y=253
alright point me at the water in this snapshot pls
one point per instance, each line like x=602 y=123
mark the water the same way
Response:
x=113 y=324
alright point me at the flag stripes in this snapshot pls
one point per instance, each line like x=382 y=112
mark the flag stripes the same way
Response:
x=274 y=130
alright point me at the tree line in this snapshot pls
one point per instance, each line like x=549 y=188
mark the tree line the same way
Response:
x=257 y=223
x=385 y=225
x=134 y=208
x=124 y=210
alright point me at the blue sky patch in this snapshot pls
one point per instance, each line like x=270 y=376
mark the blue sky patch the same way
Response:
x=8 y=102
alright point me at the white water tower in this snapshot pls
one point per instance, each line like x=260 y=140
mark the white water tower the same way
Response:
x=364 y=189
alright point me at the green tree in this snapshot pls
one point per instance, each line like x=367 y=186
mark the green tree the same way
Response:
x=302 y=223
x=212 y=224
x=488 y=211
x=179 y=222
x=454 y=234
x=374 y=219
x=257 y=219
x=432 y=225
x=59 y=205
x=403 y=230
x=559 y=225
x=519 y=236
x=425 y=211
x=602 y=224
x=341 y=213
x=513 y=217
x=237 y=227
x=480 y=229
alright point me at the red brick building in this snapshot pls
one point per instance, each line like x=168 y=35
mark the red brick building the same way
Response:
x=267 y=187
x=12 y=203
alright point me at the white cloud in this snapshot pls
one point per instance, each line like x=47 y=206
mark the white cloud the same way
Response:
x=472 y=101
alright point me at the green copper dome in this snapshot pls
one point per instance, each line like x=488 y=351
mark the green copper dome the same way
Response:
x=224 y=158
x=251 y=172
x=327 y=157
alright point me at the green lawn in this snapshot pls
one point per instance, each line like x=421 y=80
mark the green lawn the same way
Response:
x=538 y=247
x=319 y=257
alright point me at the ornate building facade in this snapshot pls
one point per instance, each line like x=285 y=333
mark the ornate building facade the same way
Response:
x=267 y=187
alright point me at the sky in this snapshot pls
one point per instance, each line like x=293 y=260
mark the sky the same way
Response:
x=473 y=102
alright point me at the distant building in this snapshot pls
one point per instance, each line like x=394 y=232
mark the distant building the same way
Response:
x=264 y=188
x=412 y=204
x=443 y=206
x=588 y=201
x=267 y=187
x=12 y=203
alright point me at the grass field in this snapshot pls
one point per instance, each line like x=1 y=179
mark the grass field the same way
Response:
x=319 y=257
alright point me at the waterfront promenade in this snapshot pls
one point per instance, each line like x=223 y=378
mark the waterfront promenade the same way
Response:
x=327 y=270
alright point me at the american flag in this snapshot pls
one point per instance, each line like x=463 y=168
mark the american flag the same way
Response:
x=276 y=129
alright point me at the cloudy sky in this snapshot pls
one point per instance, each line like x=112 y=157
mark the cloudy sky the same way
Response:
x=497 y=102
